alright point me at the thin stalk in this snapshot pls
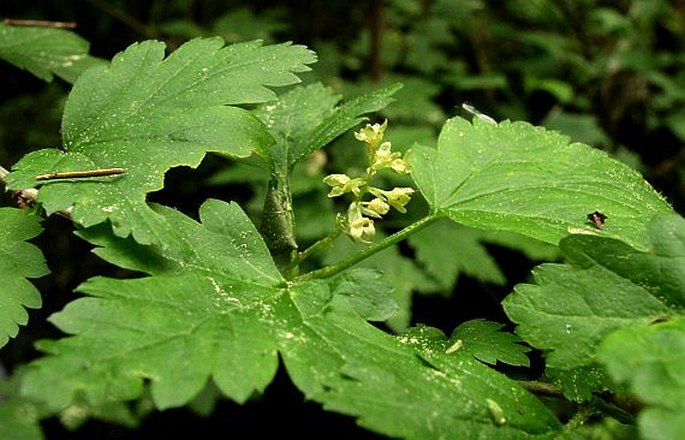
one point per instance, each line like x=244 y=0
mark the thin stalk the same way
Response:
x=318 y=245
x=334 y=269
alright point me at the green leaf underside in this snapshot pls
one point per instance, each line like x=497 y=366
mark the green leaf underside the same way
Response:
x=397 y=388
x=651 y=361
x=307 y=118
x=399 y=271
x=579 y=383
x=446 y=250
x=487 y=343
x=515 y=177
x=45 y=51
x=370 y=294
x=214 y=307
x=18 y=261
x=606 y=285
x=146 y=114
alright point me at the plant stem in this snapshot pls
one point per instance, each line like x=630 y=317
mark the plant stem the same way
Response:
x=578 y=420
x=334 y=269
x=319 y=244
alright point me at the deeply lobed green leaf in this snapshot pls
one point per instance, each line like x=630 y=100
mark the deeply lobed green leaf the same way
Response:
x=606 y=285
x=147 y=113
x=446 y=250
x=317 y=120
x=214 y=307
x=18 y=261
x=487 y=343
x=46 y=51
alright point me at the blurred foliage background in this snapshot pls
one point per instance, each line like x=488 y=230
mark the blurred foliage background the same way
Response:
x=607 y=73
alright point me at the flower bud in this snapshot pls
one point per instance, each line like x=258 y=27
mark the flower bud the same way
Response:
x=375 y=208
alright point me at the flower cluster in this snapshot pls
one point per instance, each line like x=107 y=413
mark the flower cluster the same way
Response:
x=358 y=221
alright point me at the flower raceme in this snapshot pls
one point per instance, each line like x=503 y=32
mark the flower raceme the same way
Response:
x=357 y=222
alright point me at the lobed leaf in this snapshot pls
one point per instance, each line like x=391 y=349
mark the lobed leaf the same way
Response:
x=487 y=343
x=214 y=307
x=606 y=285
x=199 y=311
x=308 y=118
x=515 y=177
x=19 y=420
x=367 y=291
x=147 y=113
x=650 y=360
x=46 y=52
x=18 y=261
x=446 y=250
x=578 y=383
x=399 y=271
x=425 y=392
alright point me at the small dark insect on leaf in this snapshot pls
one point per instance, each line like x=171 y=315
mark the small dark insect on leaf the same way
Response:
x=597 y=218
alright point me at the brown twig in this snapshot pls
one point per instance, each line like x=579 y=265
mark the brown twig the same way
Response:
x=79 y=174
x=39 y=23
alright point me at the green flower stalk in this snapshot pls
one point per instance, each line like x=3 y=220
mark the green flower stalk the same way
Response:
x=358 y=222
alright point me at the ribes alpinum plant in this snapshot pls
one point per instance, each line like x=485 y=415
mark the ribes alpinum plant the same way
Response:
x=210 y=305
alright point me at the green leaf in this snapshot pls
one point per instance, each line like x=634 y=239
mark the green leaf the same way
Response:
x=146 y=114
x=650 y=360
x=46 y=51
x=214 y=307
x=19 y=420
x=19 y=417
x=515 y=177
x=606 y=285
x=425 y=393
x=307 y=118
x=198 y=312
x=18 y=261
x=485 y=341
x=370 y=295
x=577 y=384
x=399 y=271
x=446 y=250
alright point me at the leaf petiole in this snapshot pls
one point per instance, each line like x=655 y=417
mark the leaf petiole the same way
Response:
x=318 y=245
x=329 y=271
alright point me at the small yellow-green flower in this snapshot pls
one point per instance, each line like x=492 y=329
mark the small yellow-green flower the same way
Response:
x=397 y=197
x=357 y=222
x=383 y=157
x=342 y=184
x=372 y=135
x=359 y=227
x=400 y=166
